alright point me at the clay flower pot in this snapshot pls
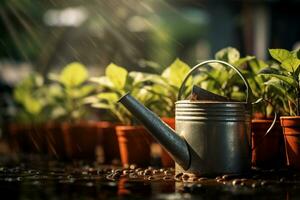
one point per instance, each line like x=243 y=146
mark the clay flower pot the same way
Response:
x=109 y=142
x=55 y=140
x=166 y=159
x=81 y=139
x=28 y=138
x=20 y=141
x=291 y=131
x=134 y=143
x=267 y=151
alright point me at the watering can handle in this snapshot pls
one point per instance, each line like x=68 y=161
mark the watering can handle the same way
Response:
x=248 y=89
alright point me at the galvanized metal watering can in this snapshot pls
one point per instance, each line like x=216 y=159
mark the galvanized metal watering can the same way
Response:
x=211 y=137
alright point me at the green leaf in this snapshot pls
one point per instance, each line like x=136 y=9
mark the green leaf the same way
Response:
x=73 y=75
x=33 y=106
x=290 y=81
x=117 y=75
x=241 y=61
x=229 y=54
x=102 y=106
x=108 y=96
x=176 y=73
x=103 y=81
x=280 y=54
x=291 y=63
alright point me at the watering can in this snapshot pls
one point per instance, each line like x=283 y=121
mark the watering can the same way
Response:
x=210 y=138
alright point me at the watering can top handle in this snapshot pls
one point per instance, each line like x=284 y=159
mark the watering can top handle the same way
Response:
x=248 y=89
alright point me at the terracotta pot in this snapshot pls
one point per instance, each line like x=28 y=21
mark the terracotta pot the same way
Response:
x=267 y=151
x=166 y=159
x=291 y=130
x=134 y=143
x=109 y=142
x=28 y=138
x=81 y=139
x=55 y=140
x=20 y=141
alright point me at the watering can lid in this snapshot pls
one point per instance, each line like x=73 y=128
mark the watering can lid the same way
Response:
x=208 y=96
x=199 y=94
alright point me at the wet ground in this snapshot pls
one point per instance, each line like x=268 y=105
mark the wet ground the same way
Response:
x=37 y=178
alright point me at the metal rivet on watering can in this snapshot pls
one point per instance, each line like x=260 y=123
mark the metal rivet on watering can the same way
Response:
x=215 y=135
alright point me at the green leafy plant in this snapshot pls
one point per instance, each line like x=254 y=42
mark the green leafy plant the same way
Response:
x=31 y=95
x=167 y=85
x=223 y=80
x=116 y=82
x=67 y=93
x=284 y=78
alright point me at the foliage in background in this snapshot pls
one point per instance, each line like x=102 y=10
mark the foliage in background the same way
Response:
x=285 y=79
x=68 y=92
x=223 y=80
x=31 y=95
x=116 y=82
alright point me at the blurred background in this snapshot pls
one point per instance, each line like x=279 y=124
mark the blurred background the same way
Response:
x=46 y=35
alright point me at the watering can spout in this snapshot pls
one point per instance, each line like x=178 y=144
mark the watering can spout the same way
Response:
x=173 y=143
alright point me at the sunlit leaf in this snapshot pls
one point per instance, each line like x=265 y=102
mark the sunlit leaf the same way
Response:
x=176 y=73
x=280 y=54
x=291 y=63
x=73 y=75
x=108 y=96
x=229 y=54
x=117 y=75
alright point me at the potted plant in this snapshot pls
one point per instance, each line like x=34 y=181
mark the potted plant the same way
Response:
x=134 y=141
x=267 y=144
x=68 y=108
x=266 y=149
x=167 y=87
x=27 y=131
x=285 y=79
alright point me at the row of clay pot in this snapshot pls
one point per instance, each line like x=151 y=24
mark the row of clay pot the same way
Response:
x=280 y=147
x=132 y=144
x=103 y=141
x=66 y=140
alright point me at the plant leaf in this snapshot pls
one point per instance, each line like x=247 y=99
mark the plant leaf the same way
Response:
x=280 y=54
x=176 y=72
x=291 y=63
x=229 y=54
x=117 y=75
x=110 y=97
x=73 y=75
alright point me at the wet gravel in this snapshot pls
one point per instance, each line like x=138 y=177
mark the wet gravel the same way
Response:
x=55 y=180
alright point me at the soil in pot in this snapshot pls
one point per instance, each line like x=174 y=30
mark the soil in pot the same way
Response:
x=109 y=142
x=291 y=131
x=166 y=159
x=81 y=139
x=135 y=145
x=267 y=151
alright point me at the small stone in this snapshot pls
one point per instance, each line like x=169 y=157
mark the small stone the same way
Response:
x=178 y=176
x=254 y=185
x=167 y=178
x=185 y=176
x=192 y=179
x=116 y=176
x=132 y=166
x=125 y=172
x=150 y=178
x=202 y=179
x=155 y=171
x=147 y=172
x=236 y=182
x=264 y=183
